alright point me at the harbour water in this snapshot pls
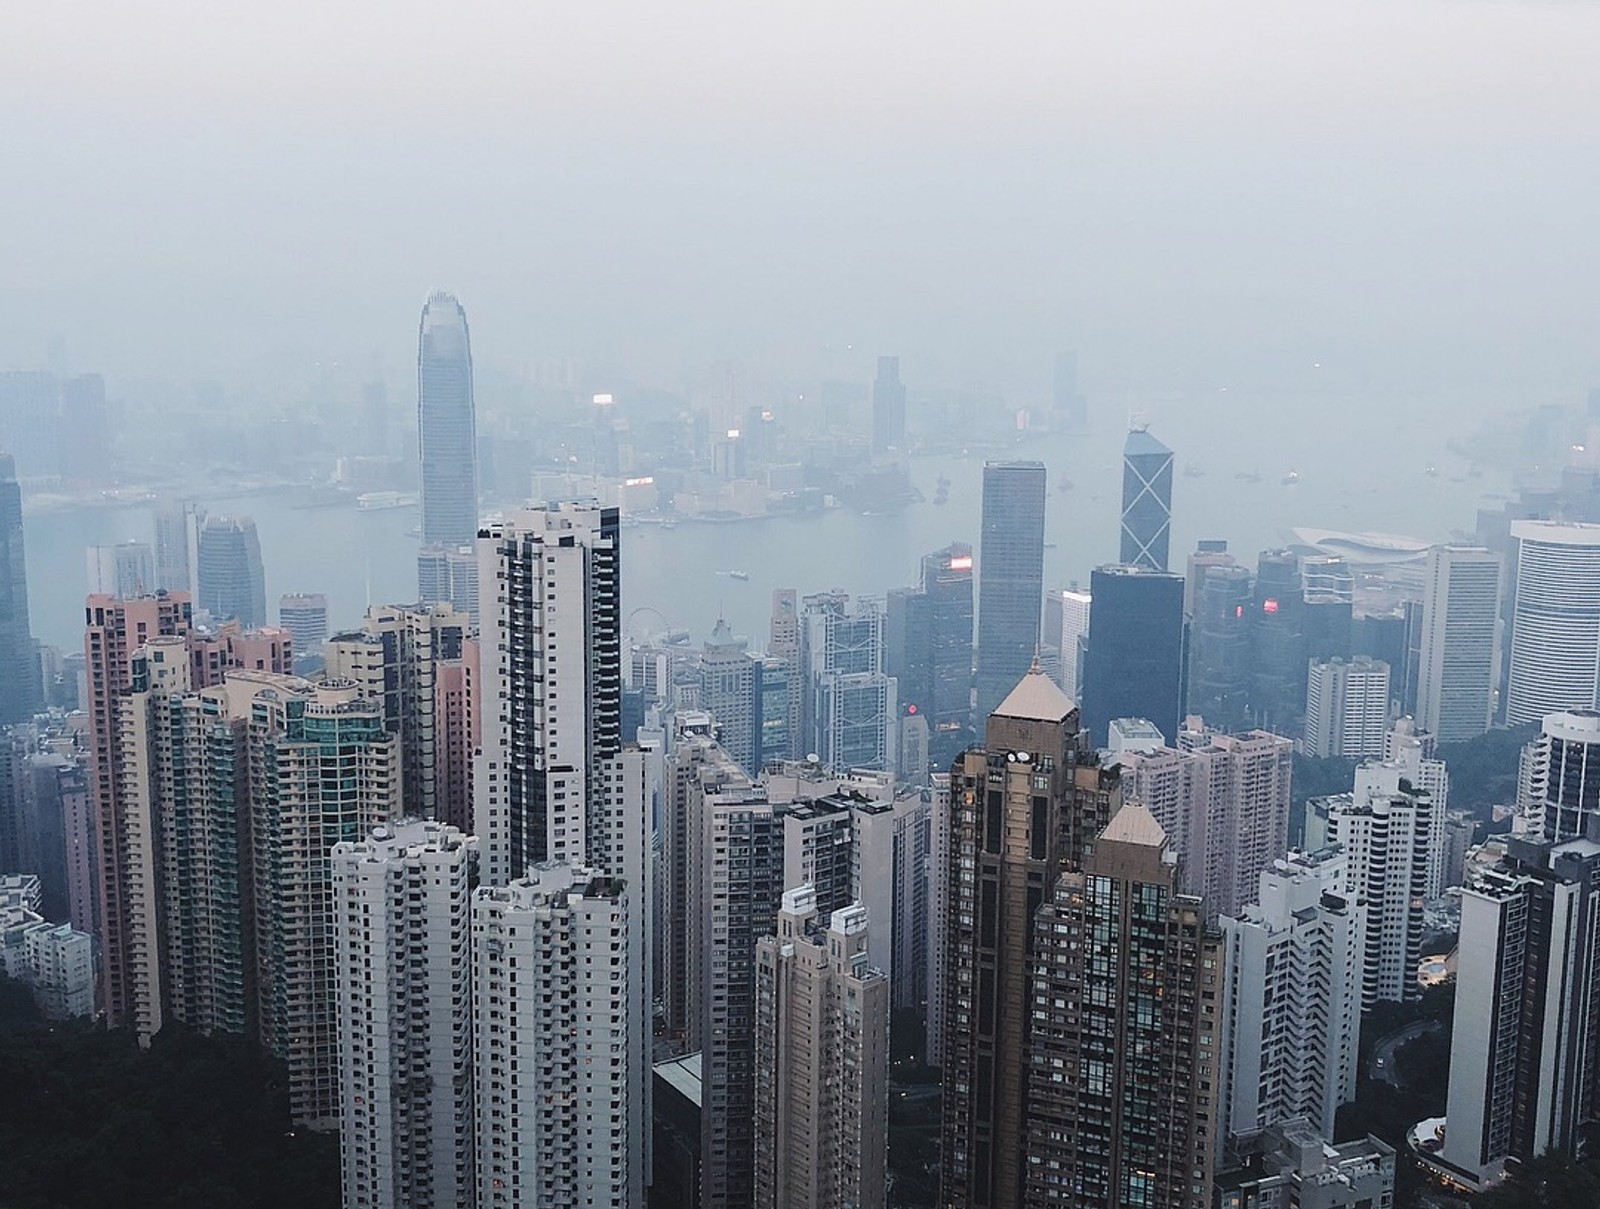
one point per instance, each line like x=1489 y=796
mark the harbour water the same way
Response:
x=1364 y=469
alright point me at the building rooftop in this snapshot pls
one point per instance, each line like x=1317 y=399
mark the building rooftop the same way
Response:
x=1036 y=698
x=1140 y=442
x=1134 y=824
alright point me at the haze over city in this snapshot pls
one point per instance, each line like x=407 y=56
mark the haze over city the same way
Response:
x=881 y=605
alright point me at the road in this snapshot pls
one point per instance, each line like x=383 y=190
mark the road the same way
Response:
x=1381 y=1064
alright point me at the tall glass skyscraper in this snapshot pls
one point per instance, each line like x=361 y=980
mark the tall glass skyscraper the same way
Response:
x=1134 y=664
x=19 y=660
x=232 y=580
x=1146 y=501
x=1010 y=577
x=446 y=428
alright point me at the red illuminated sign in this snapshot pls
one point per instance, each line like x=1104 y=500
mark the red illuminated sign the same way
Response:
x=1269 y=606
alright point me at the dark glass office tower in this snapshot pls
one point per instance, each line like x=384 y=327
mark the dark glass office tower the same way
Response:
x=888 y=407
x=1219 y=665
x=1278 y=644
x=1146 y=501
x=20 y=695
x=1010 y=577
x=1071 y=408
x=1134 y=664
x=928 y=649
x=232 y=580
x=446 y=427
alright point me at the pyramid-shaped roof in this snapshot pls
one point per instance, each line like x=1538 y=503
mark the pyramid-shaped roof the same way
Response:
x=1036 y=698
x=1134 y=824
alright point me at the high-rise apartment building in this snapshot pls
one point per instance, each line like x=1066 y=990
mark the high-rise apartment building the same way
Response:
x=1223 y=803
x=741 y=885
x=821 y=1062
x=730 y=690
x=1347 y=707
x=1291 y=1005
x=1389 y=831
x=401 y=929
x=888 y=407
x=126 y=569
x=1555 y=621
x=1133 y=665
x=233 y=583
x=1122 y=1071
x=1460 y=611
x=114 y=632
x=1023 y=810
x=447 y=440
x=1010 y=577
x=1522 y=1063
x=20 y=691
x=1564 y=774
x=553 y=782
x=555 y=1041
x=852 y=705
x=397 y=658
x=1066 y=623
x=53 y=960
x=1219 y=651
x=1146 y=502
x=329 y=774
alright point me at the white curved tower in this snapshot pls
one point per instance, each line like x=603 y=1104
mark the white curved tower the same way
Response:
x=1555 y=621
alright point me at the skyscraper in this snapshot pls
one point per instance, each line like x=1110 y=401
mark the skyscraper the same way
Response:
x=1146 y=501
x=1522 y=1064
x=783 y=642
x=1133 y=665
x=888 y=407
x=20 y=692
x=730 y=689
x=446 y=423
x=1022 y=811
x=1010 y=577
x=126 y=569
x=233 y=583
x=114 y=632
x=1347 y=707
x=1066 y=623
x=821 y=1062
x=560 y=1119
x=305 y=616
x=30 y=422
x=86 y=455
x=1565 y=774
x=1461 y=604
x=1219 y=660
x=1122 y=1062
x=928 y=649
x=448 y=574
x=173 y=524
x=396 y=659
x=1389 y=830
x=1223 y=803
x=553 y=782
x=1071 y=408
x=1291 y=1006
x=1278 y=644
x=401 y=934
x=851 y=702
x=1555 y=621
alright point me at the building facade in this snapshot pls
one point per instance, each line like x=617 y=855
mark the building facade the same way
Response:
x=1555 y=621
x=1134 y=663
x=1456 y=665
x=1010 y=577
x=232 y=580
x=821 y=1062
x=1146 y=502
x=21 y=694
x=447 y=439
x=1347 y=708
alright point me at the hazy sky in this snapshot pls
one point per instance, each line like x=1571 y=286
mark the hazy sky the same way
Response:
x=1187 y=193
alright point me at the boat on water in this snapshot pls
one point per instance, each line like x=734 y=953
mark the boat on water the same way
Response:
x=373 y=501
x=1192 y=471
x=1291 y=478
x=739 y=575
